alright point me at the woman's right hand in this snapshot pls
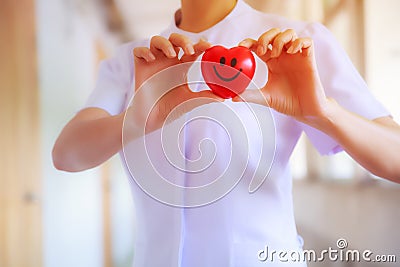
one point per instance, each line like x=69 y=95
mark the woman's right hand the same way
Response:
x=156 y=68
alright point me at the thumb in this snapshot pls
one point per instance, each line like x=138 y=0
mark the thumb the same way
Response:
x=259 y=97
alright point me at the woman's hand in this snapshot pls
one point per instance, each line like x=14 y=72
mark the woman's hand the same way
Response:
x=157 y=69
x=293 y=86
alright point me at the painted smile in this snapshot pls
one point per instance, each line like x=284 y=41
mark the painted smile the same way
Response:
x=227 y=79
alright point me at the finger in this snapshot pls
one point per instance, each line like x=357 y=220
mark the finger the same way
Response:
x=265 y=41
x=254 y=96
x=159 y=43
x=199 y=48
x=298 y=44
x=183 y=42
x=308 y=47
x=249 y=43
x=284 y=38
x=301 y=45
x=253 y=45
x=143 y=53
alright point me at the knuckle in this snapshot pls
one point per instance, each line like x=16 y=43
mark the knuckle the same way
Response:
x=264 y=39
x=183 y=40
x=174 y=36
x=278 y=41
x=179 y=38
x=139 y=50
x=154 y=38
x=186 y=41
x=249 y=40
x=290 y=31
x=306 y=41
x=268 y=35
x=159 y=40
x=276 y=29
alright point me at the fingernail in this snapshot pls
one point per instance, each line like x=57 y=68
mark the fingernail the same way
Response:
x=152 y=57
x=263 y=50
x=189 y=49
x=243 y=43
x=171 y=52
x=260 y=50
x=290 y=50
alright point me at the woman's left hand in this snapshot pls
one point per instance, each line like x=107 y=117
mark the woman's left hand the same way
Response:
x=294 y=87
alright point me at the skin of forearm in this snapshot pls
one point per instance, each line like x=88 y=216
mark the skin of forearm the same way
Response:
x=86 y=144
x=373 y=145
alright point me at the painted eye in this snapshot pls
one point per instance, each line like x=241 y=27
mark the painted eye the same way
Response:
x=233 y=62
x=222 y=61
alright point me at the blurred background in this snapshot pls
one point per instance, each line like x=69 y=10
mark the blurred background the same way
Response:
x=50 y=50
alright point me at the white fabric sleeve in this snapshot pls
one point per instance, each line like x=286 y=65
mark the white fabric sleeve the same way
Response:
x=114 y=82
x=342 y=82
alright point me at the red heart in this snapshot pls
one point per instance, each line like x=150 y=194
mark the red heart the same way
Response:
x=228 y=71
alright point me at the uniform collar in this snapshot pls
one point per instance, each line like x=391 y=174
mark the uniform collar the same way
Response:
x=239 y=8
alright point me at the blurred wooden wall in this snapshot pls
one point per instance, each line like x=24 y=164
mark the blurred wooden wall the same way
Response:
x=20 y=212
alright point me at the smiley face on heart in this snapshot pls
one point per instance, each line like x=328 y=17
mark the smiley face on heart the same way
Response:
x=228 y=71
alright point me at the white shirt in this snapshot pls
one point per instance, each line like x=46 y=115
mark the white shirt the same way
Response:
x=233 y=229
